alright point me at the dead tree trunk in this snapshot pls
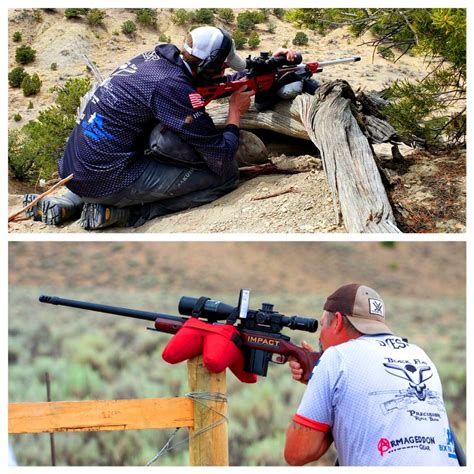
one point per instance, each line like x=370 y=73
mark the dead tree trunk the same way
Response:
x=348 y=159
x=331 y=121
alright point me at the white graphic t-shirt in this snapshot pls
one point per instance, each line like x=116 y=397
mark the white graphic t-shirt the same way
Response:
x=382 y=399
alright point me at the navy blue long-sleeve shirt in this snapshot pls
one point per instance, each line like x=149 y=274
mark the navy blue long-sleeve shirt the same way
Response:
x=105 y=149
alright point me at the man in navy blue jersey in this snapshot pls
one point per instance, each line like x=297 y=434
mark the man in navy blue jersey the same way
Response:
x=144 y=145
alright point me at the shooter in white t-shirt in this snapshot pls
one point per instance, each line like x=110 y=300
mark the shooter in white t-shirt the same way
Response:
x=378 y=397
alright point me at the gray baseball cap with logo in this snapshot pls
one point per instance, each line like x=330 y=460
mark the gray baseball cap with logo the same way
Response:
x=363 y=307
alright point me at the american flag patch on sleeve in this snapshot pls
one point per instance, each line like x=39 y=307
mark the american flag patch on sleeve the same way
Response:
x=196 y=100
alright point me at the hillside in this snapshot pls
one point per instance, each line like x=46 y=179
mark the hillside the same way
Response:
x=421 y=204
x=302 y=267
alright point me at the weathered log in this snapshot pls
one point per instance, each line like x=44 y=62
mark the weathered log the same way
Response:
x=348 y=159
x=284 y=119
x=331 y=121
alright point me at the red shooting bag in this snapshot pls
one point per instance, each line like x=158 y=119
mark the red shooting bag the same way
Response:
x=216 y=342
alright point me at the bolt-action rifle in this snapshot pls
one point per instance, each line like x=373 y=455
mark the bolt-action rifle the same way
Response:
x=260 y=330
x=263 y=72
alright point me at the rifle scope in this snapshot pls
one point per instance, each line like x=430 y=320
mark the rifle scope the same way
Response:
x=216 y=310
x=265 y=63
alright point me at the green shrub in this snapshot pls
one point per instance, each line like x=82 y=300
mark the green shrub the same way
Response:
x=25 y=54
x=33 y=151
x=146 y=17
x=17 y=37
x=227 y=15
x=182 y=16
x=264 y=14
x=164 y=39
x=246 y=21
x=279 y=12
x=75 y=12
x=386 y=53
x=129 y=28
x=16 y=75
x=31 y=85
x=17 y=117
x=204 y=16
x=38 y=15
x=240 y=39
x=54 y=66
x=95 y=17
x=30 y=104
x=254 y=40
x=20 y=159
x=271 y=28
x=69 y=96
x=300 y=39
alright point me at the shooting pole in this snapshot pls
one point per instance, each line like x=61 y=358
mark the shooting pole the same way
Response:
x=210 y=447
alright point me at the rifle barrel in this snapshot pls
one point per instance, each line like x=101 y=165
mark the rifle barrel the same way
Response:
x=102 y=308
x=331 y=62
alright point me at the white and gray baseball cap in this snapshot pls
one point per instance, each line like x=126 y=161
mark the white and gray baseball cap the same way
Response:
x=208 y=39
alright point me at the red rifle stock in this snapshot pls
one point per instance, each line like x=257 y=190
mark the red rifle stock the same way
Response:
x=264 y=82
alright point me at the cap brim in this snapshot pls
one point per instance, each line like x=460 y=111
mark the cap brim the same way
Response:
x=367 y=326
x=234 y=61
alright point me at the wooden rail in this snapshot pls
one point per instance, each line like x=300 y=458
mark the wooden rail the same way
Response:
x=100 y=415
x=205 y=418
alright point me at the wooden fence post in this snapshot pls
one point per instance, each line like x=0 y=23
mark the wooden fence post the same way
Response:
x=211 y=447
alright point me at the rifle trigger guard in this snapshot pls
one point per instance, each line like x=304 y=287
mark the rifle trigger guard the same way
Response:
x=199 y=306
x=280 y=359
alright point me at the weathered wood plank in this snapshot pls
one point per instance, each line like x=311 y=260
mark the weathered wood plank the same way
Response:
x=100 y=415
x=284 y=119
x=211 y=446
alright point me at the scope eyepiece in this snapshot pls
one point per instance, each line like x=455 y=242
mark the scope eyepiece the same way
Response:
x=303 y=324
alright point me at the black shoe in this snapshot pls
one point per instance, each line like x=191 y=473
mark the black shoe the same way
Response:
x=97 y=216
x=52 y=210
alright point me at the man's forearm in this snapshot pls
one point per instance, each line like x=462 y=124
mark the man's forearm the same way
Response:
x=233 y=117
x=304 y=445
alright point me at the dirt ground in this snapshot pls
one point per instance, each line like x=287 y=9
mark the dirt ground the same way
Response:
x=277 y=203
x=428 y=194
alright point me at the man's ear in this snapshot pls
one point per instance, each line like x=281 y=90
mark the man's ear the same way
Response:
x=339 y=321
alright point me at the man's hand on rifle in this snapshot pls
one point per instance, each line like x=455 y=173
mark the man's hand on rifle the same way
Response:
x=288 y=52
x=295 y=366
x=239 y=103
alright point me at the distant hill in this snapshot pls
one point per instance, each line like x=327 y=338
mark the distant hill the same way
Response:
x=411 y=269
